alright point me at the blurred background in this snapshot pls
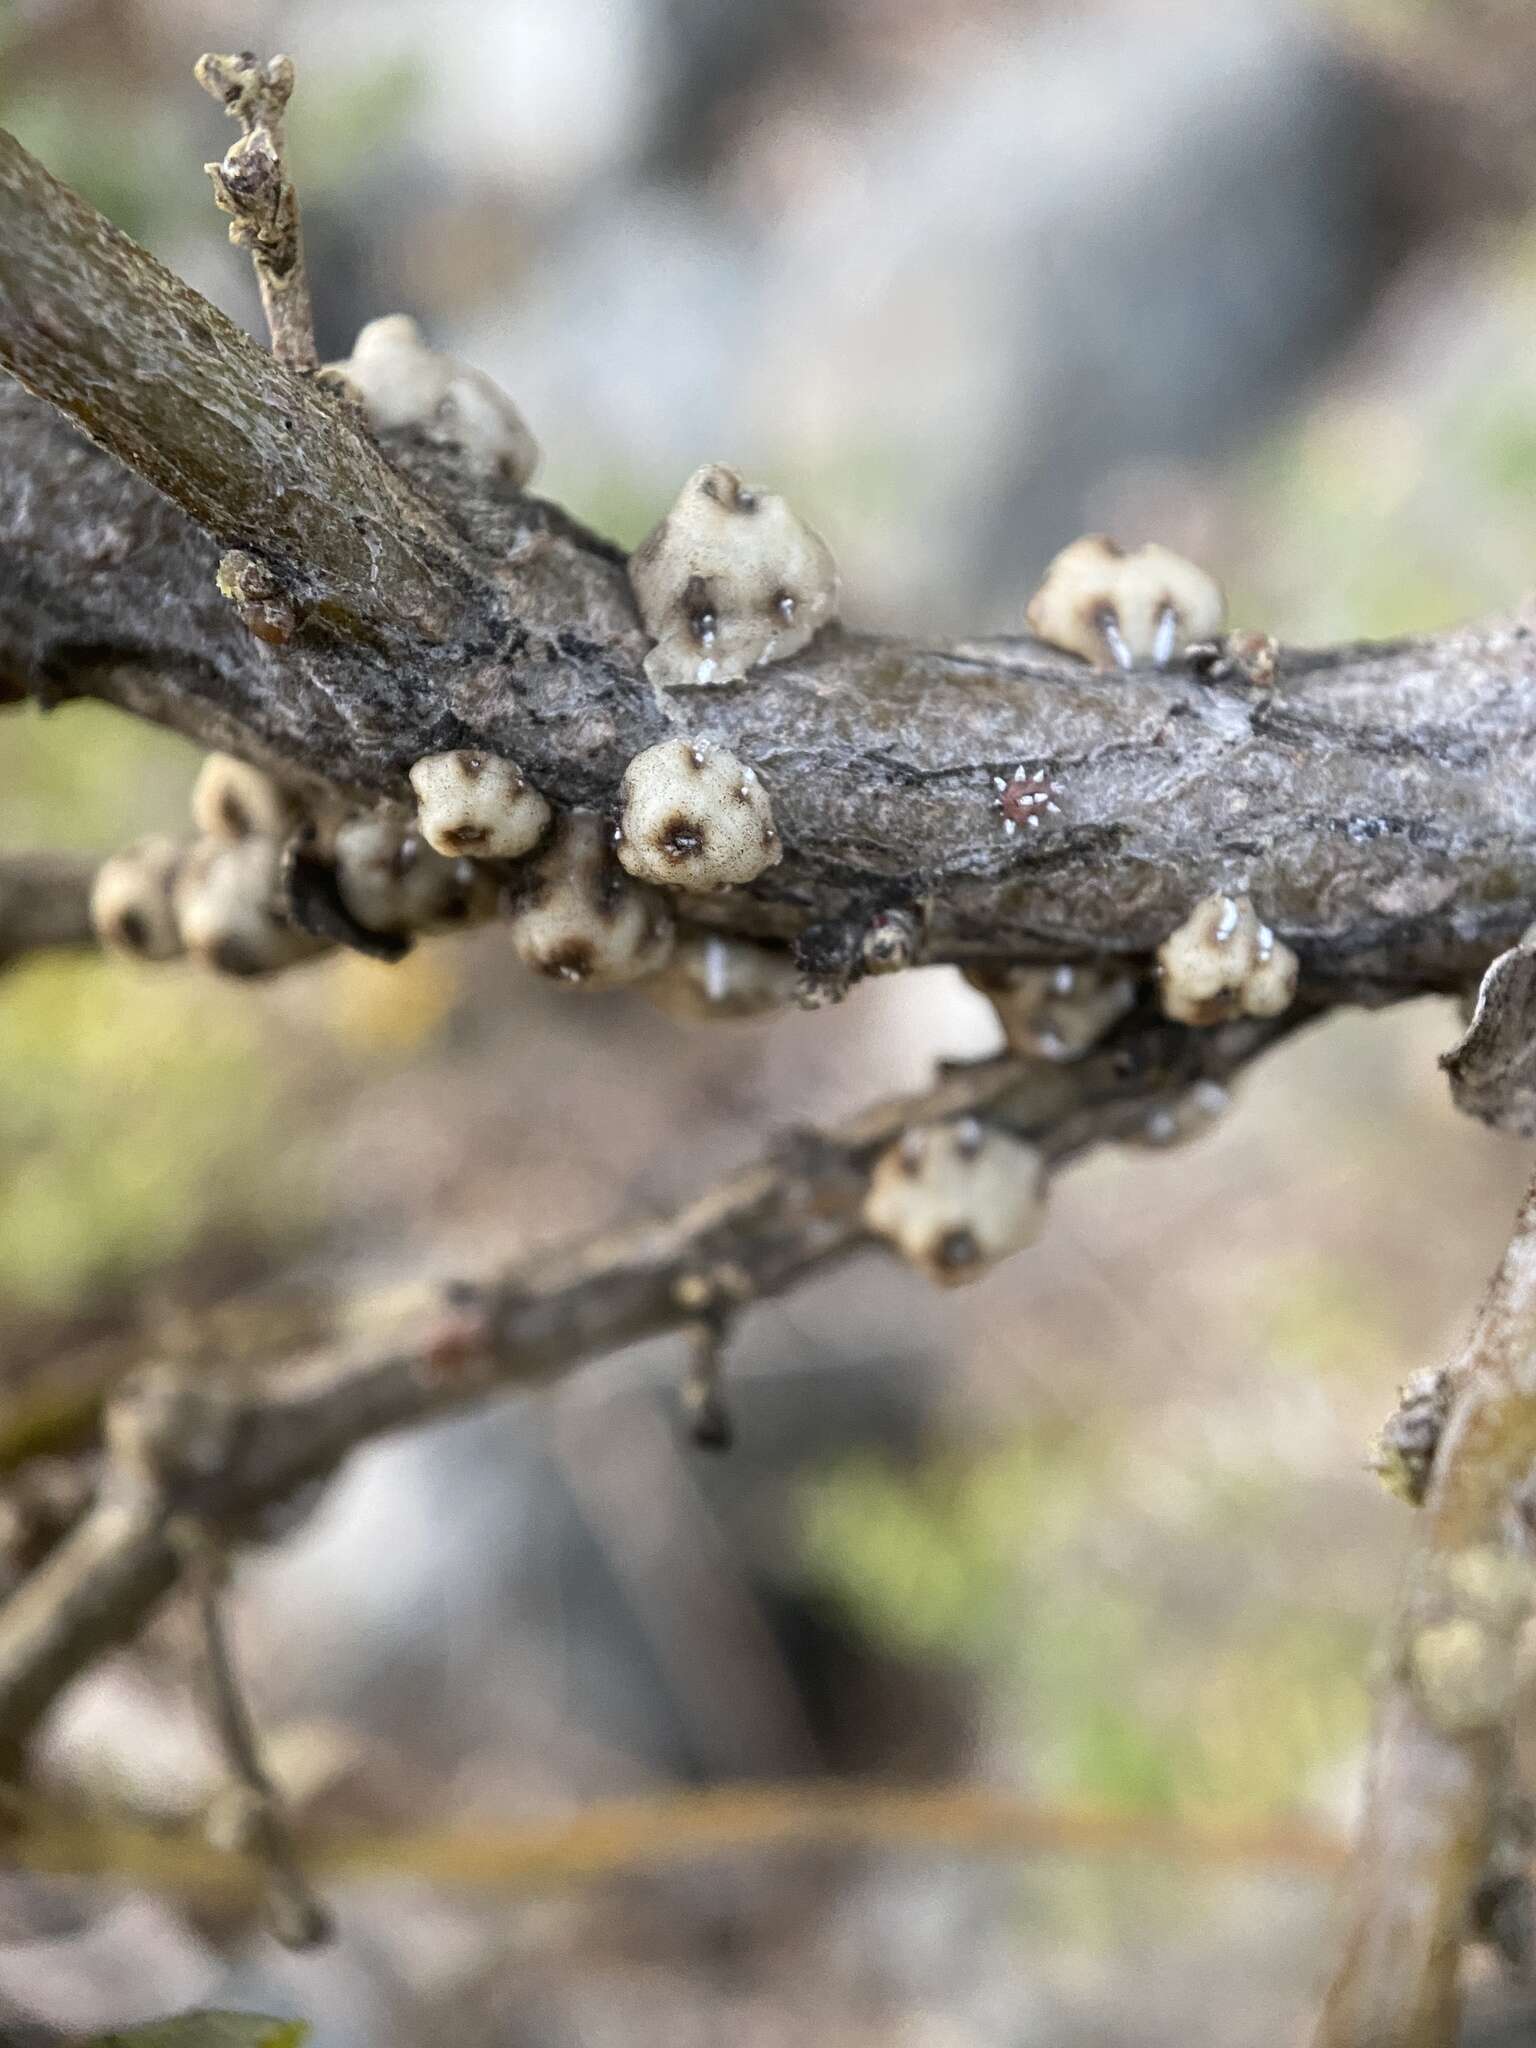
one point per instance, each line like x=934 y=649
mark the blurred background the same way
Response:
x=965 y=278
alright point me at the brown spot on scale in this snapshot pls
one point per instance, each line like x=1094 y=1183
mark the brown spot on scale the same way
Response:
x=229 y=956
x=569 y=963
x=956 y=1250
x=681 y=838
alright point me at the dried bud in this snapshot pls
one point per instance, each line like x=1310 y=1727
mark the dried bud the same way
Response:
x=1251 y=658
x=478 y=803
x=265 y=606
x=956 y=1198
x=694 y=817
x=1122 y=608
x=580 y=919
x=131 y=900
x=891 y=942
x=1403 y=1455
x=1224 y=962
x=729 y=579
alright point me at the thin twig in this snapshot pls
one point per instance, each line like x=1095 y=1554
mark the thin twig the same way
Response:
x=227 y=1453
x=716 y=1296
x=251 y=1817
x=1440 y=1758
x=253 y=186
x=709 y=1416
x=614 y=1837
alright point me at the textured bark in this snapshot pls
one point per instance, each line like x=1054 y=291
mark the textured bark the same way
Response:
x=261 y=458
x=1440 y=1751
x=1379 y=805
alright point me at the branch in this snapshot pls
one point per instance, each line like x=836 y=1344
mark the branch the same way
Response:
x=263 y=460
x=185 y=1445
x=1379 y=803
x=615 y=1837
x=252 y=1811
x=252 y=184
x=45 y=901
x=1440 y=1750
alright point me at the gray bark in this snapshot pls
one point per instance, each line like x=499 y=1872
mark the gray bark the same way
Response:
x=1379 y=804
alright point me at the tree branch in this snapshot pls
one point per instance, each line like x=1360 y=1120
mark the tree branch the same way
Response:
x=184 y=1445
x=251 y=1812
x=618 y=1836
x=261 y=459
x=45 y=901
x=1440 y=1751
x=253 y=185
x=1379 y=804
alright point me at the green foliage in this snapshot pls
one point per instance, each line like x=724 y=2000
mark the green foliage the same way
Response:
x=138 y=157
x=1315 y=1316
x=86 y=777
x=207 y=2030
x=339 y=122
x=104 y=145
x=136 y=1113
x=1404 y=503
x=1058 y=1568
x=134 y=1118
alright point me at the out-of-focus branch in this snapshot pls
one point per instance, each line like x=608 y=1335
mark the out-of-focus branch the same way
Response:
x=182 y=1443
x=622 y=1836
x=44 y=903
x=1439 y=1754
x=252 y=184
x=250 y=1814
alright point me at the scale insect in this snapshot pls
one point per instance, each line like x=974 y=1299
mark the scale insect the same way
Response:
x=1024 y=798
